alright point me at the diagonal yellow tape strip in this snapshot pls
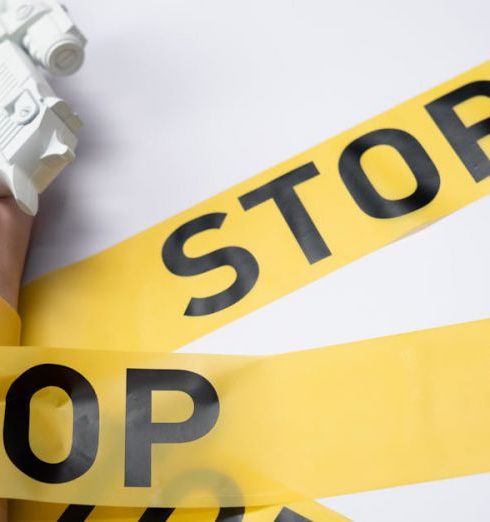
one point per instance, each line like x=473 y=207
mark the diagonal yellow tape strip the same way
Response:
x=276 y=232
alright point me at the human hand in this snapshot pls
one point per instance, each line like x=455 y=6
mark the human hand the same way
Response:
x=15 y=229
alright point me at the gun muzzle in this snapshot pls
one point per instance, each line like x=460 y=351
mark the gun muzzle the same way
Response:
x=55 y=44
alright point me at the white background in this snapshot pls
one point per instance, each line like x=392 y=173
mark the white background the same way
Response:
x=184 y=98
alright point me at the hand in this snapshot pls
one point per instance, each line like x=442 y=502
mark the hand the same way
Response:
x=15 y=230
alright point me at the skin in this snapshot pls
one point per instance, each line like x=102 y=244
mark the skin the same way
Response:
x=15 y=230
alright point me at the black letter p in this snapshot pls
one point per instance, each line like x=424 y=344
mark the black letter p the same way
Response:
x=141 y=432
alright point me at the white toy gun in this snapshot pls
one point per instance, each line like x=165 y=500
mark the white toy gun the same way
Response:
x=38 y=130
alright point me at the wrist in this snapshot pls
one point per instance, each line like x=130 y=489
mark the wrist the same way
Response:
x=14 y=239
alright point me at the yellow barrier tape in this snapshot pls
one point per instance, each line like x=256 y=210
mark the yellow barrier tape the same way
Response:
x=22 y=511
x=9 y=324
x=208 y=430
x=300 y=512
x=276 y=232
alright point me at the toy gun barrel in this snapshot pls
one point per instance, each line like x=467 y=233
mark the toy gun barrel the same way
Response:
x=55 y=43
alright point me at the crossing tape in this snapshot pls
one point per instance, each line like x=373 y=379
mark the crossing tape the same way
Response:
x=268 y=430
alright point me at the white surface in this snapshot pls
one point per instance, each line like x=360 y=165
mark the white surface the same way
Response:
x=182 y=99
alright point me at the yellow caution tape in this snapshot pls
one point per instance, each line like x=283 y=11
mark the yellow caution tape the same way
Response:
x=238 y=251
x=276 y=232
x=186 y=430
x=22 y=511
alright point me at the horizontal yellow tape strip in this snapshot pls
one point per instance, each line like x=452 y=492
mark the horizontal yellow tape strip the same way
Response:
x=276 y=232
x=206 y=430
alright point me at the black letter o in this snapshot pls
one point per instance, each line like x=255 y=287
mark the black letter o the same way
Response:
x=362 y=190
x=85 y=423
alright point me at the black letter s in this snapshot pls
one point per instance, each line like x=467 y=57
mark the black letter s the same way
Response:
x=241 y=260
